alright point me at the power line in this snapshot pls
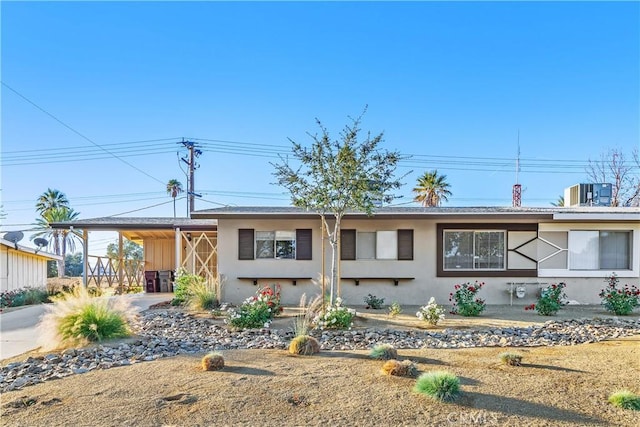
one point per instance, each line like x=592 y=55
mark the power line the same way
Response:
x=78 y=133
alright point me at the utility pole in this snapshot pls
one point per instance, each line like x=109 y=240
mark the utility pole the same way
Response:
x=194 y=153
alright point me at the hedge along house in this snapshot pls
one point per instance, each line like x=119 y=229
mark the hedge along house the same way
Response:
x=410 y=254
x=22 y=267
x=168 y=244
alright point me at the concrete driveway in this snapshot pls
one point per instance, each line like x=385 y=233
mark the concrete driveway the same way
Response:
x=18 y=326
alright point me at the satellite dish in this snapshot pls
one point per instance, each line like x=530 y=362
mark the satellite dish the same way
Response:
x=14 y=237
x=40 y=242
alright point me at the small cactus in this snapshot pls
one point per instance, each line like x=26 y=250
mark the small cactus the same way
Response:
x=213 y=362
x=406 y=368
x=304 y=345
x=383 y=352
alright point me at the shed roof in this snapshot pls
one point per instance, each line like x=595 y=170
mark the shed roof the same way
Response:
x=28 y=250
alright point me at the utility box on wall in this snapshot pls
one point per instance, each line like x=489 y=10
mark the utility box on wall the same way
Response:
x=588 y=195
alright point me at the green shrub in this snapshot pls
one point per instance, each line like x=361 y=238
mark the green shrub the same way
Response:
x=551 y=300
x=372 y=301
x=23 y=296
x=619 y=301
x=511 y=359
x=439 y=385
x=35 y=296
x=432 y=313
x=465 y=301
x=383 y=352
x=625 y=399
x=395 y=309
x=336 y=316
x=257 y=311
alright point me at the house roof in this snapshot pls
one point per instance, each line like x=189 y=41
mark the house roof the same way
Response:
x=550 y=213
x=142 y=223
x=28 y=250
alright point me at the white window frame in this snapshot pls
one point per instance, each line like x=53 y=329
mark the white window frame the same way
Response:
x=586 y=243
x=475 y=256
x=277 y=236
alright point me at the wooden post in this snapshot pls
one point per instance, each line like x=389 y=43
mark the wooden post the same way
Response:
x=85 y=267
x=120 y=263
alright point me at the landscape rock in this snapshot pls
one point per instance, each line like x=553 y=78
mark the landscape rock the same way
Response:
x=167 y=333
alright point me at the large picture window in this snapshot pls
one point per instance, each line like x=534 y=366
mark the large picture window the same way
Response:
x=474 y=250
x=599 y=250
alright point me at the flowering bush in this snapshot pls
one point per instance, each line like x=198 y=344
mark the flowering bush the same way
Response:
x=431 y=313
x=619 y=301
x=257 y=311
x=551 y=300
x=465 y=301
x=335 y=316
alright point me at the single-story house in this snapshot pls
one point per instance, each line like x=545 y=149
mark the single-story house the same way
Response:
x=22 y=267
x=408 y=254
x=403 y=254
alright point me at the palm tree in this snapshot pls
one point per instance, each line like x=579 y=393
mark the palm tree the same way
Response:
x=174 y=187
x=59 y=240
x=559 y=203
x=431 y=189
x=51 y=199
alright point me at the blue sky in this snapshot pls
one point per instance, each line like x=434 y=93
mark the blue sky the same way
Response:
x=450 y=83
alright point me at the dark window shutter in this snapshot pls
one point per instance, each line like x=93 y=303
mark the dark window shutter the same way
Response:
x=303 y=243
x=405 y=244
x=245 y=243
x=348 y=244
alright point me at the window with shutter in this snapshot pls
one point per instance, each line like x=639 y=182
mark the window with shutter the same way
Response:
x=245 y=243
x=405 y=245
x=348 y=244
x=303 y=244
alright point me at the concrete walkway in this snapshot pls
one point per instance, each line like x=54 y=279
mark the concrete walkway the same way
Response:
x=18 y=332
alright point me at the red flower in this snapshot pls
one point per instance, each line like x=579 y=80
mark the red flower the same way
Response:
x=472 y=289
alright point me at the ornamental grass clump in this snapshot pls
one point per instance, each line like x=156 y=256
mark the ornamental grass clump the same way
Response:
x=79 y=319
x=511 y=359
x=303 y=343
x=257 y=311
x=383 y=352
x=625 y=399
x=551 y=299
x=464 y=299
x=396 y=368
x=620 y=301
x=432 y=313
x=201 y=297
x=439 y=385
x=213 y=361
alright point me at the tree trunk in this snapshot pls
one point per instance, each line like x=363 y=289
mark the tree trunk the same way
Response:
x=333 y=242
x=58 y=251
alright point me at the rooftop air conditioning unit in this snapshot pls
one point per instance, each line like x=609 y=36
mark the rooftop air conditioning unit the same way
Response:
x=588 y=195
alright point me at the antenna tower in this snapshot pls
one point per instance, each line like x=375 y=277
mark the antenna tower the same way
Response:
x=517 y=188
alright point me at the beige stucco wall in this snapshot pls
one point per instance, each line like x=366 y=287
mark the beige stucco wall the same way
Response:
x=20 y=269
x=409 y=292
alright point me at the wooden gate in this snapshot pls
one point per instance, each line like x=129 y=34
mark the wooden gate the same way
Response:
x=201 y=256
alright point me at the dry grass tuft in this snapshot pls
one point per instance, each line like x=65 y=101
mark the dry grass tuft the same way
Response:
x=304 y=345
x=406 y=368
x=213 y=362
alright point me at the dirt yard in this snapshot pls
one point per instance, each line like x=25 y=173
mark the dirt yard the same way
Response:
x=555 y=386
